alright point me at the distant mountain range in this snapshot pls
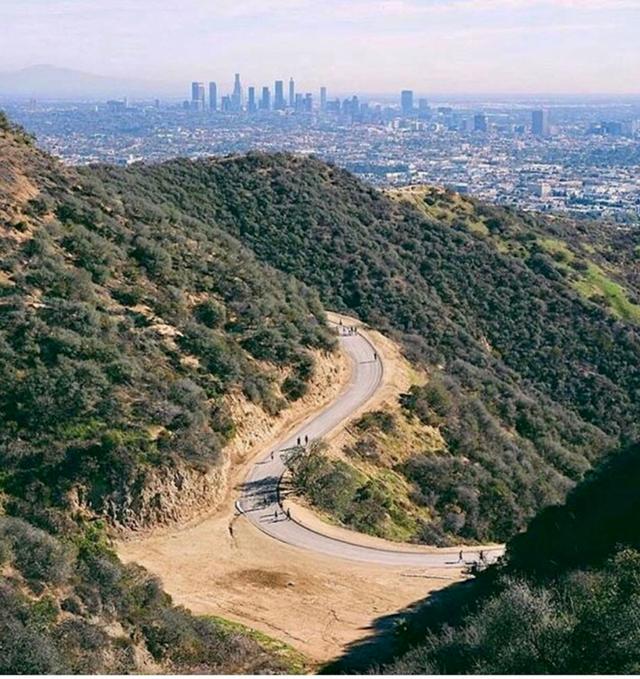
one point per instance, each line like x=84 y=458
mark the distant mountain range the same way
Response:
x=50 y=82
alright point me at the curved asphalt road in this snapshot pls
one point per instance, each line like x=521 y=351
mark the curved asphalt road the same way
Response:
x=260 y=499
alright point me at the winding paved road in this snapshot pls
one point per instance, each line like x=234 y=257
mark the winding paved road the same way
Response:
x=260 y=499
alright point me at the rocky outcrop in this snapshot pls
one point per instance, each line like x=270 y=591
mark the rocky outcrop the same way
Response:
x=161 y=497
x=176 y=494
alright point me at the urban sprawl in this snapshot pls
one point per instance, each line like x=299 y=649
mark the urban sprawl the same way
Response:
x=547 y=154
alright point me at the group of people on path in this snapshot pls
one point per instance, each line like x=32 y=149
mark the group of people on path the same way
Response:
x=482 y=556
x=277 y=515
x=352 y=330
x=347 y=329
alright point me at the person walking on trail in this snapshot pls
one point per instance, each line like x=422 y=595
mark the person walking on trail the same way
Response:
x=272 y=454
x=482 y=556
x=306 y=439
x=276 y=514
x=288 y=514
x=375 y=355
x=231 y=530
x=460 y=556
x=298 y=441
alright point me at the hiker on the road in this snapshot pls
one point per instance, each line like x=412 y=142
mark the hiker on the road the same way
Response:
x=231 y=530
x=460 y=556
x=288 y=514
x=298 y=441
x=306 y=439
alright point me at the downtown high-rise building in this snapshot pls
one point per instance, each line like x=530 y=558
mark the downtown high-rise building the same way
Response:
x=480 y=123
x=292 y=93
x=323 y=99
x=540 y=123
x=236 y=97
x=406 y=102
x=197 y=96
x=279 y=103
x=251 y=100
x=265 y=100
x=213 y=96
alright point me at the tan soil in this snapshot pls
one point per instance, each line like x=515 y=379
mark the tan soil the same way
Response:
x=316 y=603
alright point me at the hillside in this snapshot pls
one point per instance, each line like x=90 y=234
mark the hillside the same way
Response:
x=138 y=305
x=68 y=606
x=599 y=261
x=122 y=335
x=122 y=340
x=531 y=382
x=565 y=600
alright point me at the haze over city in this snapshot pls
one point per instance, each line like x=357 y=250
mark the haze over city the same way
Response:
x=432 y=46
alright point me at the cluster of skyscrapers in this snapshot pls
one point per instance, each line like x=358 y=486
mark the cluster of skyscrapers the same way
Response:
x=539 y=118
x=254 y=101
x=281 y=99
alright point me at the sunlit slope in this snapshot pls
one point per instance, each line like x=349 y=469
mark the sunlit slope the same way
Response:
x=534 y=381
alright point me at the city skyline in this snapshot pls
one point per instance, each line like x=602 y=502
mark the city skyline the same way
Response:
x=304 y=103
x=431 y=46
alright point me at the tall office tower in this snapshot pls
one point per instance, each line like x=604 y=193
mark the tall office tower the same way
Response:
x=251 y=100
x=197 y=96
x=213 y=96
x=225 y=105
x=236 y=97
x=299 y=103
x=279 y=102
x=480 y=122
x=308 y=102
x=540 y=123
x=323 y=99
x=406 y=102
x=265 y=101
x=423 y=108
x=292 y=93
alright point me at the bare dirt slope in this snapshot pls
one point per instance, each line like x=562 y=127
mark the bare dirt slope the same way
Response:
x=317 y=604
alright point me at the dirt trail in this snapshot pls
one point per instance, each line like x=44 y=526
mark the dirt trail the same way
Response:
x=317 y=604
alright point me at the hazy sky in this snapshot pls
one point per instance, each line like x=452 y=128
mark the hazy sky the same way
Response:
x=546 y=46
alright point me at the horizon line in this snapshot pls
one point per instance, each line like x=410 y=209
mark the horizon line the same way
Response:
x=146 y=88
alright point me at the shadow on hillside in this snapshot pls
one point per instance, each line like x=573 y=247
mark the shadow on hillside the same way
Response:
x=393 y=634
